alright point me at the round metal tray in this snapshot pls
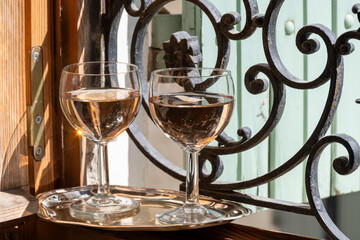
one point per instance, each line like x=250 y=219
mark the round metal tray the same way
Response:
x=54 y=206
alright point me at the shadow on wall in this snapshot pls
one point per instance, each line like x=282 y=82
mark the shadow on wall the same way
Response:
x=14 y=161
x=343 y=209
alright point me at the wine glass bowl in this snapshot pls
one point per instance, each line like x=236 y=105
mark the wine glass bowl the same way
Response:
x=100 y=100
x=191 y=106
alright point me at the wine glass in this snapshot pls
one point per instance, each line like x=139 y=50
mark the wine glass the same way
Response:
x=191 y=106
x=100 y=100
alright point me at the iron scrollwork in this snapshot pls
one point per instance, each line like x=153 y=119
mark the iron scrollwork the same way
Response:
x=278 y=76
x=343 y=165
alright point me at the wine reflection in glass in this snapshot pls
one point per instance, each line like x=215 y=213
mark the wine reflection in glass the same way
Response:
x=101 y=99
x=191 y=106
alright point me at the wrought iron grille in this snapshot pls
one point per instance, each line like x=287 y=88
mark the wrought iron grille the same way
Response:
x=278 y=77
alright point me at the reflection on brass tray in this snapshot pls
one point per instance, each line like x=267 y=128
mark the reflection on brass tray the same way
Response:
x=54 y=206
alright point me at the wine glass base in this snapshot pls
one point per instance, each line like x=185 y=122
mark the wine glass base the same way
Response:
x=191 y=214
x=103 y=208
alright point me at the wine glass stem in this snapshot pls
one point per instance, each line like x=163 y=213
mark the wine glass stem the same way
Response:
x=103 y=170
x=192 y=178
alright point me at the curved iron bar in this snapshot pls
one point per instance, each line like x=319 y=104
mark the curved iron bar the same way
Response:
x=343 y=46
x=253 y=20
x=140 y=29
x=111 y=21
x=256 y=86
x=136 y=57
x=320 y=130
x=304 y=44
x=343 y=165
x=135 y=11
x=356 y=10
x=278 y=76
x=260 y=201
x=217 y=168
x=224 y=140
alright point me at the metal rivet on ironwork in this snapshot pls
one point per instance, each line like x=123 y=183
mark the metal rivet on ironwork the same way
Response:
x=349 y=21
x=38 y=151
x=36 y=56
x=38 y=119
x=289 y=27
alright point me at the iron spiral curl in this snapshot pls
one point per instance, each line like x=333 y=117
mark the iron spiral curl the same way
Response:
x=343 y=46
x=253 y=20
x=256 y=86
x=343 y=165
x=135 y=11
x=304 y=44
x=217 y=168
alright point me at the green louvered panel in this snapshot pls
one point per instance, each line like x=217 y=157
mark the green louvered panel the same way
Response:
x=254 y=109
x=315 y=99
x=303 y=108
x=348 y=113
x=209 y=50
x=287 y=138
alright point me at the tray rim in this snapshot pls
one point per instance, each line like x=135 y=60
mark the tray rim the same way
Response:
x=174 y=227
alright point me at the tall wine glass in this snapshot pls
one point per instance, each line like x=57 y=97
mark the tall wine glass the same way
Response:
x=192 y=106
x=100 y=100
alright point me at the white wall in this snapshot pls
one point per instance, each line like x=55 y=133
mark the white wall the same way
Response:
x=127 y=165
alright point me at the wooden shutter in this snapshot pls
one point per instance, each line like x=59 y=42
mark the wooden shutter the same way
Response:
x=25 y=24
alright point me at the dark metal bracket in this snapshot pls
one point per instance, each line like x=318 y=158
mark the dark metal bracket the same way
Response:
x=36 y=129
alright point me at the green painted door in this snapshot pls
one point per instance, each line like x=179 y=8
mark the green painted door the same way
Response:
x=303 y=108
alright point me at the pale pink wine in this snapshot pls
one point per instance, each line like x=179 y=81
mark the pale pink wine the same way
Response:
x=193 y=120
x=101 y=114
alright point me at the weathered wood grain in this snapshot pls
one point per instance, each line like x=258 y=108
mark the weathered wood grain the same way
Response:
x=67 y=47
x=43 y=174
x=18 y=214
x=13 y=125
x=16 y=203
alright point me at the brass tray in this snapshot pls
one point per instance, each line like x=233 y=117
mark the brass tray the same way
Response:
x=54 y=206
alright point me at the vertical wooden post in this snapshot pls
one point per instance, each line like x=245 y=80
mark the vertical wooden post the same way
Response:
x=13 y=124
x=43 y=175
x=79 y=39
x=66 y=42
